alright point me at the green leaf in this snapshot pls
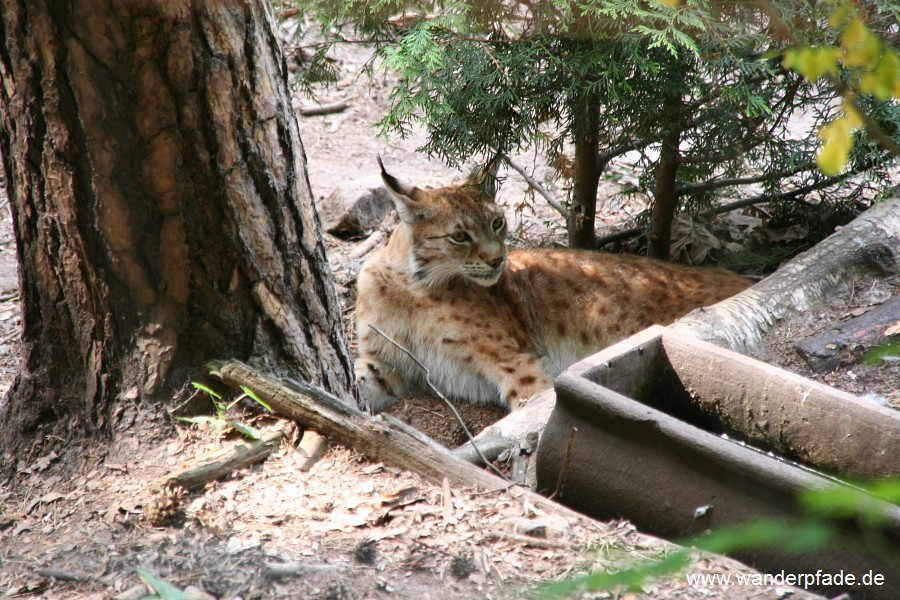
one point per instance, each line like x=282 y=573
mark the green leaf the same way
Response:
x=812 y=62
x=206 y=389
x=867 y=502
x=252 y=395
x=165 y=590
x=217 y=421
x=246 y=430
x=793 y=537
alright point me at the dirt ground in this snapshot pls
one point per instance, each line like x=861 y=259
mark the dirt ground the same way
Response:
x=72 y=521
x=878 y=383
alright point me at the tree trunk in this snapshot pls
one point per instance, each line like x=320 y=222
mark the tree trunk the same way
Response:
x=582 y=215
x=665 y=199
x=161 y=206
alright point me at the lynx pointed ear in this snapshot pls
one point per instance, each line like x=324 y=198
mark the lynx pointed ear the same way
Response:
x=484 y=177
x=407 y=198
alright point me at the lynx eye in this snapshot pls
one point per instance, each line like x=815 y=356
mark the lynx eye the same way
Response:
x=460 y=237
x=498 y=224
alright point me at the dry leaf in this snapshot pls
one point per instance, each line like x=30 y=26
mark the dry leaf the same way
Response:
x=447 y=503
x=402 y=497
x=52 y=497
x=43 y=463
x=342 y=522
x=892 y=330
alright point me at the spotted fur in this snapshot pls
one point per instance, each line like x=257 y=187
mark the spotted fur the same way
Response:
x=492 y=326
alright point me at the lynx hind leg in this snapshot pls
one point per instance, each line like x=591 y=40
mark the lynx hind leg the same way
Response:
x=379 y=386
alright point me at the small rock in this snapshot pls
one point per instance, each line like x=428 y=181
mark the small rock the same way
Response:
x=194 y=593
x=355 y=207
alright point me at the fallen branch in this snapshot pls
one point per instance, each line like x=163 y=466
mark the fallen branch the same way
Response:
x=382 y=438
x=219 y=463
x=292 y=569
x=367 y=246
x=324 y=109
x=63 y=575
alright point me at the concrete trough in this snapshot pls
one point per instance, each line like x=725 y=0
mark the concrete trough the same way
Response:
x=637 y=433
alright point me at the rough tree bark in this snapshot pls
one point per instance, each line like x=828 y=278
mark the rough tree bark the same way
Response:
x=665 y=198
x=161 y=206
x=587 y=170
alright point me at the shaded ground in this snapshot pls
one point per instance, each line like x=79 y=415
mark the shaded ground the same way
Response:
x=71 y=521
x=878 y=383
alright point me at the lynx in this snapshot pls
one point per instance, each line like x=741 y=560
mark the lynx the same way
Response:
x=493 y=326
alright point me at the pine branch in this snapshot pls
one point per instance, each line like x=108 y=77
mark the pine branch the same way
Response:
x=625 y=234
x=634 y=144
x=715 y=184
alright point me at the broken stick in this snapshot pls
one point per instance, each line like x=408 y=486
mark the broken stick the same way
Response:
x=219 y=463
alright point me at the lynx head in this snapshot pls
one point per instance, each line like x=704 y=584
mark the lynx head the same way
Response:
x=454 y=232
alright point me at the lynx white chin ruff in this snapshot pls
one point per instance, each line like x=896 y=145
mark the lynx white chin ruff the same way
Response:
x=493 y=327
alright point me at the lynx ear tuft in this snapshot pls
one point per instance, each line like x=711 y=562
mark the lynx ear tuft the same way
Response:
x=484 y=177
x=396 y=186
x=407 y=198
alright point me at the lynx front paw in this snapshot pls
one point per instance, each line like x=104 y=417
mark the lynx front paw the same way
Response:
x=376 y=392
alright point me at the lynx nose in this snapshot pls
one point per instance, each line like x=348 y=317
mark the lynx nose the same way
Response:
x=495 y=263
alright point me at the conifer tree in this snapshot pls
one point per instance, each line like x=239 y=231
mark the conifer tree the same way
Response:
x=704 y=92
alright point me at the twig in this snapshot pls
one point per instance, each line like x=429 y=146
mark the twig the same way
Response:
x=714 y=184
x=538 y=188
x=528 y=540
x=437 y=393
x=324 y=109
x=724 y=208
x=223 y=461
x=368 y=245
x=289 y=569
x=9 y=337
x=618 y=236
x=561 y=481
x=63 y=575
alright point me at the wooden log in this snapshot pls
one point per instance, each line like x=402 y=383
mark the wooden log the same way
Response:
x=382 y=437
x=221 y=462
x=868 y=245
x=849 y=342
